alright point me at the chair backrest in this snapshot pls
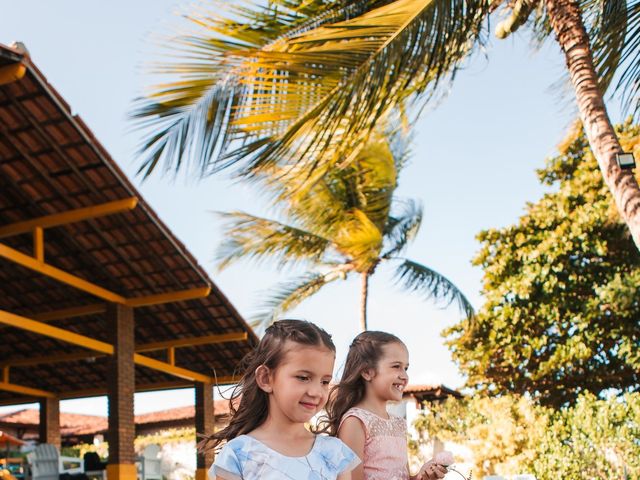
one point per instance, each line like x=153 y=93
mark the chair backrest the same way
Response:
x=92 y=462
x=44 y=462
x=152 y=462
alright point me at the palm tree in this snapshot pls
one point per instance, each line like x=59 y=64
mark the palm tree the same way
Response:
x=294 y=73
x=346 y=223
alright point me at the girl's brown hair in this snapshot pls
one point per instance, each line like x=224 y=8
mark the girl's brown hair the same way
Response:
x=364 y=354
x=253 y=406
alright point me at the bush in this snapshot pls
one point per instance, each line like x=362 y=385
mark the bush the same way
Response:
x=595 y=438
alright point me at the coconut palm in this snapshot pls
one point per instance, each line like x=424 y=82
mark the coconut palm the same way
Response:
x=347 y=223
x=294 y=73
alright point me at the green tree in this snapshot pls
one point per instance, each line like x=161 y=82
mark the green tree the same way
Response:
x=348 y=222
x=562 y=291
x=292 y=80
x=595 y=438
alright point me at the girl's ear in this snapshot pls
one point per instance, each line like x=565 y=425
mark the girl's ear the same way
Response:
x=368 y=374
x=263 y=378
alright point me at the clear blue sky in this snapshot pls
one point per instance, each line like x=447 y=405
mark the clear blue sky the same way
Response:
x=473 y=166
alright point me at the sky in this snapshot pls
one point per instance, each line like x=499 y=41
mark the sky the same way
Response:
x=473 y=168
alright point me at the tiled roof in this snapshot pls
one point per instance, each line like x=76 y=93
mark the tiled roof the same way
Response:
x=79 y=424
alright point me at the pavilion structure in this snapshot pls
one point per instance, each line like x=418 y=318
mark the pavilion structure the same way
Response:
x=97 y=295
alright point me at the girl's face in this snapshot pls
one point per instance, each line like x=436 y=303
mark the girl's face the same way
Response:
x=298 y=387
x=390 y=377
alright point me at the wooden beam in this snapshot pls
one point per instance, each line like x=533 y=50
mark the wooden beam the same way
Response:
x=49 y=359
x=70 y=216
x=98 y=392
x=24 y=323
x=72 y=312
x=171 y=369
x=83 y=341
x=12 y=387
x=38 y=244
x=81 y=284
x=12 y=73
x=193 y=341
x=60 y=275
x=168 y=297
x=145 y=347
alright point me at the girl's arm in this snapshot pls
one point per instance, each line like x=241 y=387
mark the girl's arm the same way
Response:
x=352 y=434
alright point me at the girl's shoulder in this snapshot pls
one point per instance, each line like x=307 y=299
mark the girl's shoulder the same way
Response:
x=334 y=453
x=374 y=424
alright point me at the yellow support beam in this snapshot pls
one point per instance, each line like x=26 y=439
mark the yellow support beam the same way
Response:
x=38 y=244
x=171 y=369
x=12 y=387
x=83 y=341
x=193 y=341
x=24 y=323
x=145 y=347
x=70 y=216
x=168 y=297
x=5 y=374
x=60 y=275
x=72 y=312
x=171 y=356
x=50 y=359
x=97 y=392
x=12 y=73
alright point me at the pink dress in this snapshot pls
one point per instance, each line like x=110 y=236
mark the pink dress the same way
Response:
x=385 y=445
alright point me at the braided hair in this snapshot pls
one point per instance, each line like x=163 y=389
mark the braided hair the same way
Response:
x=364 y=354
x=249 y=405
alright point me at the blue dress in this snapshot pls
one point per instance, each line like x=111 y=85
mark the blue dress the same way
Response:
x=245 y=458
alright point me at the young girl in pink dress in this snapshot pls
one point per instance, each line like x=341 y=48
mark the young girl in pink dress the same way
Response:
x=375 y=373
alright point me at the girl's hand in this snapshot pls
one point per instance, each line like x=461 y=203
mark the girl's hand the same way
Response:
x=431 y=471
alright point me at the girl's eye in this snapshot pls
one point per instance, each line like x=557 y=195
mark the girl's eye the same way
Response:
x=326 y=382
x=302 y=378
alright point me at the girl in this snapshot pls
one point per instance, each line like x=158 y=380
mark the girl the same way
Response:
x=375 y=373
x=286 y=382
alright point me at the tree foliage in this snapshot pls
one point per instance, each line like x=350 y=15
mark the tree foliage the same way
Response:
x=346 y=222
x=512 y=434
x=562 y=290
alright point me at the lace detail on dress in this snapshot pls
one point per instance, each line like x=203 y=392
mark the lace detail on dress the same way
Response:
x=385 y=446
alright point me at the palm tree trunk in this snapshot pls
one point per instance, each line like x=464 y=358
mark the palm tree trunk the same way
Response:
x=363 y=300
x=567 y=23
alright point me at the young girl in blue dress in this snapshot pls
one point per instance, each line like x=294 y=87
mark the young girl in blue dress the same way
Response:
x=286 y=382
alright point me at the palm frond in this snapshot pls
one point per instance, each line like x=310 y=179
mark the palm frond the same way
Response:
x=337 y=81
x=186 y=120
x=418 y=278
x=402 y=228
x=251 y=237
x=287 y=295
x=626 y=58
x=358 y=239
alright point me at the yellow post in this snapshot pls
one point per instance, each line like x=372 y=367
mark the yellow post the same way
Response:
x=38 y=244
x=119 y=471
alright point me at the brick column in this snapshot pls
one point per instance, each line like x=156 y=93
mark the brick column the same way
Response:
x=50 y=421
x=204 y=425
x=121 y=387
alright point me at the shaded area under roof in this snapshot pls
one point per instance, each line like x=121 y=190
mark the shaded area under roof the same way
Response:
x=51 y=163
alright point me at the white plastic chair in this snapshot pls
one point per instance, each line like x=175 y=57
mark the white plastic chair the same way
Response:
x=150 y=463
x=47 y=463
x=493 y=477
